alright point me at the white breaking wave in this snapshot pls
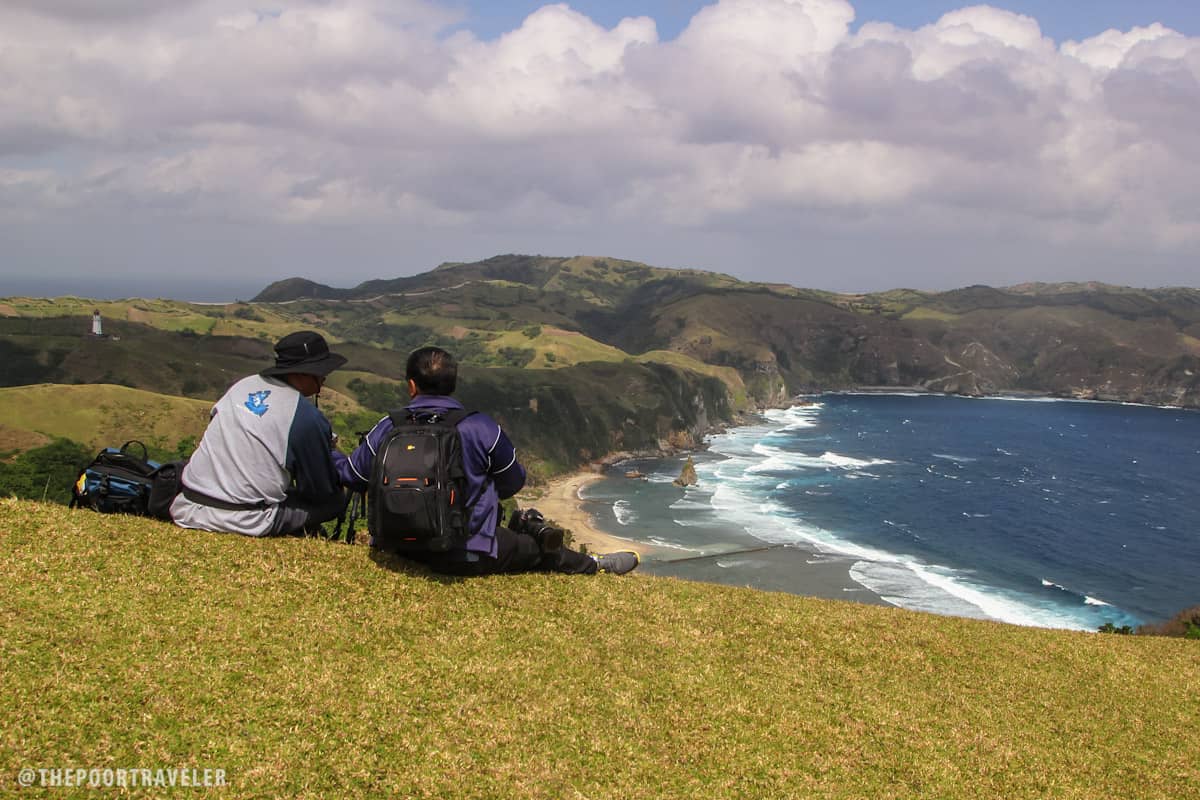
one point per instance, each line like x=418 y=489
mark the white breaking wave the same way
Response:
x=943 y=591
x=955 y=459
x=900 y=579
x=624 y=512
x=663 y=543
x=775 y=459
x=796 y=417
x=846 y=462
x=689 y=504
x=744 y=454
x=698 y=523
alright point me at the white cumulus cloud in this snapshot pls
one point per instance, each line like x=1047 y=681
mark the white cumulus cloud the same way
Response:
x=765 y=123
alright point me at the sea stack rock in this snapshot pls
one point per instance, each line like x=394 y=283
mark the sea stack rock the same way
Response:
x=687 y=477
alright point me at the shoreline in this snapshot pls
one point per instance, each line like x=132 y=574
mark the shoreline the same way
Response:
x=810 y=573
x=1028 y=395
x=562 y=504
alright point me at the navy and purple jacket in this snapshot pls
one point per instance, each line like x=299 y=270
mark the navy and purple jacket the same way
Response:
x=489 y=458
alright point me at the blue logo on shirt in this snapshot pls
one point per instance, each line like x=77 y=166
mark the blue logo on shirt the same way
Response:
x=257 y=402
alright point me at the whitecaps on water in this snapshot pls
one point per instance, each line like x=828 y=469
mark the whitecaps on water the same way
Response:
x=666 y=545
x=776 y=459
x=796 y=417
x=910 y=584
x=900 y=579
x=623 y=511
x=1087 y=599
x=686 y=503
x=846 y=462
x=698 y=523
x=955 y=459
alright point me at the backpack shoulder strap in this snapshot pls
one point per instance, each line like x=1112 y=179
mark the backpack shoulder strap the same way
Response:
x=456 y=416
x=404 y=416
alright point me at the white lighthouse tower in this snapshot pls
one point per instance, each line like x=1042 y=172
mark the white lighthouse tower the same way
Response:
x=97 y=328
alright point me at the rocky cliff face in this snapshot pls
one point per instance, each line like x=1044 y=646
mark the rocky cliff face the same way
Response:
x=1096 y=341
x=579 y=414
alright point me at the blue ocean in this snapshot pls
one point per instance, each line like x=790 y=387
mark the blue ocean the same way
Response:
x=1035 y=512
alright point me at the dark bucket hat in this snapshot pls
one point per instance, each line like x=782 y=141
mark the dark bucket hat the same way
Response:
x=305 y=353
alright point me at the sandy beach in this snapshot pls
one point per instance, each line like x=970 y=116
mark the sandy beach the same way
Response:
x=772 y=568
x=562 y=503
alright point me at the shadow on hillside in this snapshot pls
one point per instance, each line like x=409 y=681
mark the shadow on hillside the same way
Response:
x=394 y=563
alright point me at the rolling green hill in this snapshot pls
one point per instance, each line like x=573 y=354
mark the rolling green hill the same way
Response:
x=304 y=668
x=101 y=415
x=1072 y=340
x=586 y=355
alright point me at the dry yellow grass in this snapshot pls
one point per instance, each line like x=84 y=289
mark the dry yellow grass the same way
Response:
x=102 y=415
x=307 y=669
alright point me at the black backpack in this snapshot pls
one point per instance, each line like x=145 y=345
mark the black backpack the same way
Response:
x=417 y=496
x=118 y=481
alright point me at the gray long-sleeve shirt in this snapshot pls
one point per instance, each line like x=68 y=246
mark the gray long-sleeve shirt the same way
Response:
x=264 y=442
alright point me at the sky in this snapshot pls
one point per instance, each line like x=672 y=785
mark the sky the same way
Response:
x=202 y=149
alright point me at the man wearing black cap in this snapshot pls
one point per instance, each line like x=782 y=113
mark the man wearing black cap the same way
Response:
x=264 y=466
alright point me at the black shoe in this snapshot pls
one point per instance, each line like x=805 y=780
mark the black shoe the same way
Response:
x=618 y=563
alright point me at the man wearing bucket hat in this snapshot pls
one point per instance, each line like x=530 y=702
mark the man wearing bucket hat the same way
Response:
x=264 y=465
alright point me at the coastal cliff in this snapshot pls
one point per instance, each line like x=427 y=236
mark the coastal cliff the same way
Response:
x=581 y=357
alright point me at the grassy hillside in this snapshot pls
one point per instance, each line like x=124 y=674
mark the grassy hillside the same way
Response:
x=763 y=343
x=304 y=668
x=100 y=415
x=230 y=319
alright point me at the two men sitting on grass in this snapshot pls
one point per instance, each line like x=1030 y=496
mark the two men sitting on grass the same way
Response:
x=268 y=465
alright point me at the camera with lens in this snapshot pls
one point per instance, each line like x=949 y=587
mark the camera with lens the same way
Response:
x=531 y=522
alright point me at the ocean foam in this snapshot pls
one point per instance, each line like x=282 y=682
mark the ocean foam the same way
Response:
x=663 y=543
x=624 y=512
x=796 y=417
x=697 y=523
x=900 y=579
x=921 y=587
x=688 y=503
x=754 y=462
x=846 y=462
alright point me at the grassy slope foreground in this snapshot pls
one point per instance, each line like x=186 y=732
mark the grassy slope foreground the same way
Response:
x=305 y=668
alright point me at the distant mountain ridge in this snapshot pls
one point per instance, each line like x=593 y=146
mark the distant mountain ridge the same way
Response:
x=584 y=357
x=1084 y=340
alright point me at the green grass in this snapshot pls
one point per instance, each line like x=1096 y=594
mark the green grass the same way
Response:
x=272 y=321
x=566 y=348
x=727 y=375
x=304 y=668
x=102 y=415
x=923 y=312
